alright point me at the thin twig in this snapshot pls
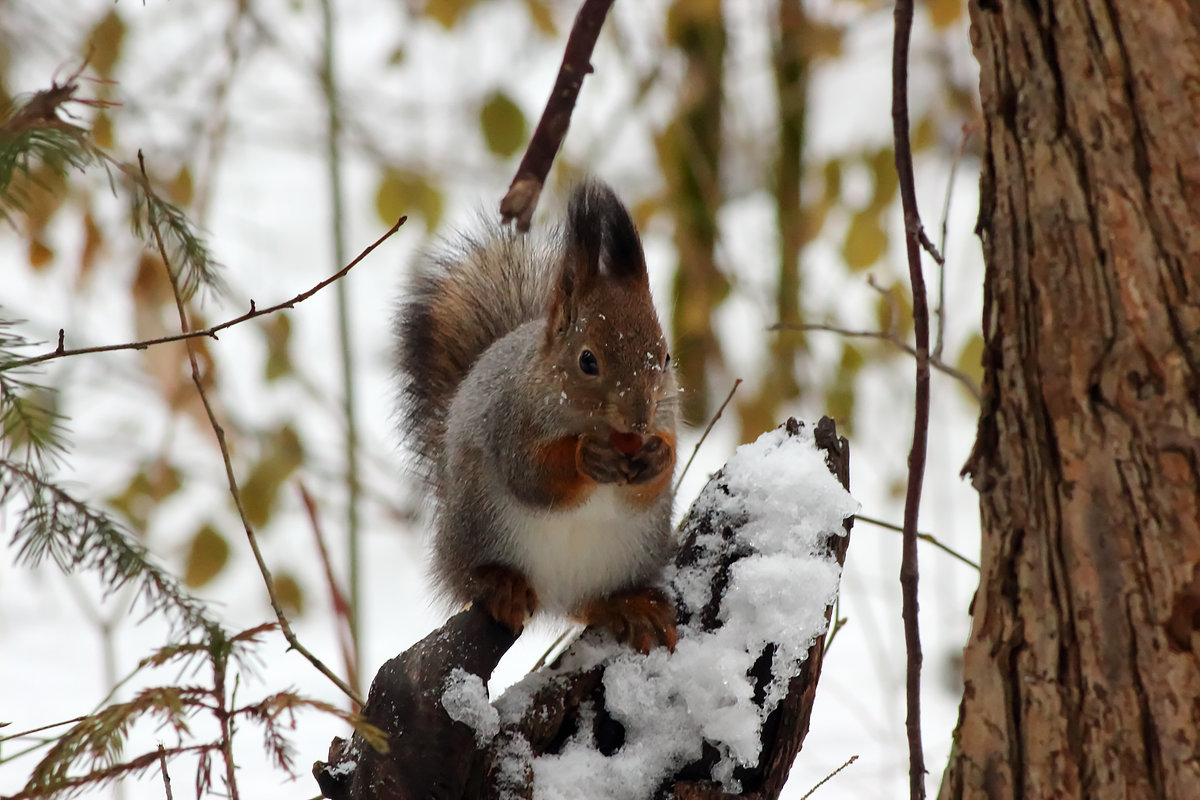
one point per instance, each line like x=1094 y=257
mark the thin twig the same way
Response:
x=333 y=158
x=930 y=247
x=60 y=352
x=838 y=624
x=162 y=763
x=526 y=187
x=224 y=717
x=219 y=662
x=232 y=480
x=925 y=537
x=935 y=363
x=704 y=436
x=31 y=731
x=913 y=239
x=546 y=655
x=341 y=608
x=824 y=780
x=939 y=313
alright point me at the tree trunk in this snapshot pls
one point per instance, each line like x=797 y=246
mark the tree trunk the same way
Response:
x=1082 y=674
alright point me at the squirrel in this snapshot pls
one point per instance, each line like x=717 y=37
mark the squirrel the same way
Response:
x=539 y=397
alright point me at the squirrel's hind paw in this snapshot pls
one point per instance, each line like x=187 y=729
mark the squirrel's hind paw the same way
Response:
x=644 y=618
x=505 y=595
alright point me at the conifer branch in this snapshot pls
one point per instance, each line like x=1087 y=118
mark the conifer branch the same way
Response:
x=52 y=523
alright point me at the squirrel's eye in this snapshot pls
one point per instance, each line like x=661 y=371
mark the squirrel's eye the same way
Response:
x=588 y=363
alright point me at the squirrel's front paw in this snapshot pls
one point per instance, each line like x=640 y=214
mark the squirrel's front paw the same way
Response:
x=649 y=462
x=643 y=618
x=600 y=461
x=505 y=594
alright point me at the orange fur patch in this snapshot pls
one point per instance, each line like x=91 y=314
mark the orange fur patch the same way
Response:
x=566 y=486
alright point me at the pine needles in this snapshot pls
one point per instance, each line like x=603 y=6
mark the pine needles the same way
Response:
x=90 y=753
x=38 y=131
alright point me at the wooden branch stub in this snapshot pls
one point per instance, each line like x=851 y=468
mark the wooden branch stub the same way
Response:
x=405 y=703
x=522 y=197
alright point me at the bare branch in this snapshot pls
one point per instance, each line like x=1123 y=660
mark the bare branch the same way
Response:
x=914 y=237
x=526 y=187
x=60 y=352
x=936 y=363
x=162 y=763
x=940 y=312
x=704 y=436
x=925 y=537
x=825 y=780
x=347 y=637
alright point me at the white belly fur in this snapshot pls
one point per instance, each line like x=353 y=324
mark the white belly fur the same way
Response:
x=585 y=552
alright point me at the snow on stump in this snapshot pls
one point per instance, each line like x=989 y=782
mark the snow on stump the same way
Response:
x=754 y=580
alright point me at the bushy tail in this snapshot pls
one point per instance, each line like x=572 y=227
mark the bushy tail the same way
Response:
x=461 y=300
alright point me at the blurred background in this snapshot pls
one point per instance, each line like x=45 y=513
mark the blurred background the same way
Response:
x=752 y=141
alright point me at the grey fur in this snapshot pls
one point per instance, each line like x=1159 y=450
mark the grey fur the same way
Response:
x=489 y=340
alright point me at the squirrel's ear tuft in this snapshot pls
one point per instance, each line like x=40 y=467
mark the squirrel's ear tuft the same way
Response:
x=599 y=226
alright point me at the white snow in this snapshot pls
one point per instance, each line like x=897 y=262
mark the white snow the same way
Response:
x=465 y=699
x=671 y=704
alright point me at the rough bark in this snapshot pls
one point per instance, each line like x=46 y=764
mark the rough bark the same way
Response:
x=1082 y=674
x=430 y=755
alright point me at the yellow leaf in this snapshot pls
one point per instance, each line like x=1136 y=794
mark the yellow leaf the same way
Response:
x=162 y=480
x=180 y=190
x=944 y=13
x=93 y=240
x=102 y=131
x=402 y=192
x=924 y=134
x=685 y=14
x=970 y=359
x=893 y=311
x=260 y=491
x=822 y=40
x=644 y=210
x=446 y=12
x=831 y=172
x=287 y=449
x=503 y=124
x=290 y=595
x=812 y=221
x=883 y=167
x=39 y=194
x=865 y=241
x=104 y=44
x=278 y=332
x=206 y=557
x=839 y=404
x=40 y=254
x=852 y=360
x=543 y=20
x=134 y=502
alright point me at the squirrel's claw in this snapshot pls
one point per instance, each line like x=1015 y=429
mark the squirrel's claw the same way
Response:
x=505 y=595
x=643 y=618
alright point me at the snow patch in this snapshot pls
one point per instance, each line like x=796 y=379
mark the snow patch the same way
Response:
x=465 y=699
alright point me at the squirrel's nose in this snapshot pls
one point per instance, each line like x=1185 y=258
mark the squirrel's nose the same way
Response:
x=638 y=416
